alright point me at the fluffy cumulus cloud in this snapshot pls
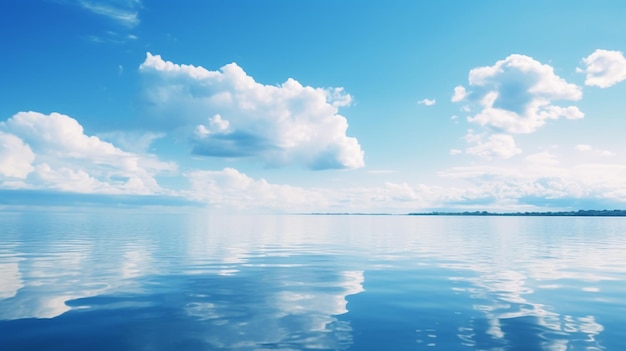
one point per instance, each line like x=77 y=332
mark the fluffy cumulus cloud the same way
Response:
x=228 y=114
x=15 y=157
x=604 y=68
x=517 y=95
x=40 y=151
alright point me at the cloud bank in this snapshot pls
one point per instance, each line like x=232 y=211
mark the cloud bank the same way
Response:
x=53 y=153
x=228 y=114
x=231 y=189
x=544 y=179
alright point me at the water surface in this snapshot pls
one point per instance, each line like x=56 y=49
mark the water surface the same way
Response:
x=137 y=281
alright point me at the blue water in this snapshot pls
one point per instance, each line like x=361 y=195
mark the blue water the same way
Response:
x=138 y=281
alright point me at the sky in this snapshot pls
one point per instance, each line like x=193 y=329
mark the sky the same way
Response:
x=314 y=106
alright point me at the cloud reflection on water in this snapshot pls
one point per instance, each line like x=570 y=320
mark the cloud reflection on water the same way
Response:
x=505 y=299
x=303 y=314
x=528 y=279
x=11 y=279
x=507 y=290
x=282 y=282
x=242 y=290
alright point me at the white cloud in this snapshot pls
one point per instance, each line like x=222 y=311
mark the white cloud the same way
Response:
x=590 y=149
x=231 y=189
x=16 y=158
x=55 y=153
x=500 y=146
x=455 y=152
x=604 y=68
x=73 y=180
x=459 y=93
x=234 y=116
x=542 y=158
x=58 y=134
x=427 y=102
x=516 y=95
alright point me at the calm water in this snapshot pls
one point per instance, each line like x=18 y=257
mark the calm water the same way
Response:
x=113 y=281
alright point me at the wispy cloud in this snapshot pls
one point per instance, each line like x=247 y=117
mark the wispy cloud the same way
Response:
x=123 y=12
x=381 y=171
x=588 y=148
x=112 y=37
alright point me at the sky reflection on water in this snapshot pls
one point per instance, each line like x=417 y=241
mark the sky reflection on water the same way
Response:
x=140 y=281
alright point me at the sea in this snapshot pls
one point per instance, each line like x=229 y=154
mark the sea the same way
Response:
x=153 y=280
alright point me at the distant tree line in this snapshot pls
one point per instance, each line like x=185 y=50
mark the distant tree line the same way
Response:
x=579 y=213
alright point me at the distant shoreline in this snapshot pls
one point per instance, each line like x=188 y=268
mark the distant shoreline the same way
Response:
x=579 y=213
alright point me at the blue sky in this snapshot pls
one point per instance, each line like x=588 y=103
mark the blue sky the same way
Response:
x=292 y=106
